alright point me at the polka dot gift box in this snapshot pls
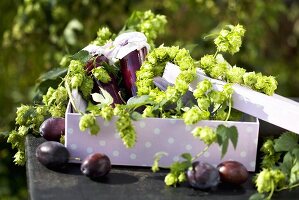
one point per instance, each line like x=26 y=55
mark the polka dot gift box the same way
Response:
x=174 y=137
x=155 y=135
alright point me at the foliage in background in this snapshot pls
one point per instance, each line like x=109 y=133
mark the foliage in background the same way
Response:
x=35 y=34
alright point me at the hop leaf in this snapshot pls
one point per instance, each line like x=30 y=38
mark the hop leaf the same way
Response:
x=286 y=142
x=105 y=98
x=224 y=134
x=79 y=58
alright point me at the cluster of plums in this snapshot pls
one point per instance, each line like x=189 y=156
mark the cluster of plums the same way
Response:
x=203 y=175
x=200 y=175
x=55 y=156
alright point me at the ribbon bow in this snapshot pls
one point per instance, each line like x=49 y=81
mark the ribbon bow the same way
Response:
x=124 y=44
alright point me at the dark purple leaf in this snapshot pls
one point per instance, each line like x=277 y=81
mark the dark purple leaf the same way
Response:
x=129 y=65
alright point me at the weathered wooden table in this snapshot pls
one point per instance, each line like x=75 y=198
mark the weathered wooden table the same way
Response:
x=121 y=183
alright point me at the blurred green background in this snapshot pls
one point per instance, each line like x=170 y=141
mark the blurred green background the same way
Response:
x=35 y=34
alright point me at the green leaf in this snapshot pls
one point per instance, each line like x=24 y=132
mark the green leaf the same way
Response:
x=287 y=163
x=191 y=46
x=224 y=134
x=4 y=134
x=295 y=153
x=222 y=139
x=224 y=148
x=286 y=142
x=95 y=109
x=53 y=74
x=111 y=69
x=290 y=166
x=82 y=56
x=178 y=167
x=294 y=177
x=137 y=101
x=257 y=196
x=136 y=116
x=233 y=135
x=104 y=98
x=187 y=156
x=49 y=79
x=42 y=87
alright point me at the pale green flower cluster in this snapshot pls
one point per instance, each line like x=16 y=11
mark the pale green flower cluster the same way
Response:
x=101 y=74
x=77 y=78
x=88 y=121
x=269 y=179
x=206 y=134
x=230 y=39
x=124 y=126
x=103 y=36
x=148 y=23
x=56 y=100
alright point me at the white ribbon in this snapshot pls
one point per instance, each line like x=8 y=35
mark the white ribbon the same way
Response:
x=124 y=44
x=94 y=49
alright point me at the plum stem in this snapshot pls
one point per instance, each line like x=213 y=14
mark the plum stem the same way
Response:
x=120 y=96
